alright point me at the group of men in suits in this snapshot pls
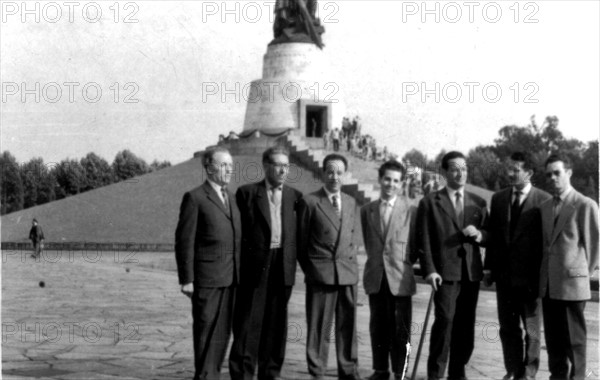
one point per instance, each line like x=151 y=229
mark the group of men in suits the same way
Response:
x=237 y=262
x=237 y=259
x=541 y=250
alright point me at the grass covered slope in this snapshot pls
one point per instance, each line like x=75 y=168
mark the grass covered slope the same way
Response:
x=144 y=209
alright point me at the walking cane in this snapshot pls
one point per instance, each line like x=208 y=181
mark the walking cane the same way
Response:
x=414 y=374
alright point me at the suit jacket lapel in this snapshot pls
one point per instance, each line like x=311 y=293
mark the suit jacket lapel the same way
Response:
x=398 y=212
x=212 y=195
x=262 y=200
x=565 y=213
x=235 y=212
x=443 y=201
x=526 y=206
x=347 y=213
x=327 y=209
x=287 y=208
x=375 y=216
x=547 y=221
x=505 y=200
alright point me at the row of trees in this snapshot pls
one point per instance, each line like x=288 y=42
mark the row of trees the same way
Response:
x=24 y=185
x=486 y=162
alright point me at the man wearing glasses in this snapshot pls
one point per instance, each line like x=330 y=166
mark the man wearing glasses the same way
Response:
x=268 y=269
x=207 y=250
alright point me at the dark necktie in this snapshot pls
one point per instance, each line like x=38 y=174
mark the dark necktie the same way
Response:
x=225 y=198
x=515 y=212
x=336 y=205
x=556 y=208
x=459 y=208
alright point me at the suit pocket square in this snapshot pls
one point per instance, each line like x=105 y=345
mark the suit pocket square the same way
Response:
x=577 y=272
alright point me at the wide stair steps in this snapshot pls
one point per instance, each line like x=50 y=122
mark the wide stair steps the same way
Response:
x=312 y=159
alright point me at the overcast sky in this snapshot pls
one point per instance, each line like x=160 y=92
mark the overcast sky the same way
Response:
x=543 y=56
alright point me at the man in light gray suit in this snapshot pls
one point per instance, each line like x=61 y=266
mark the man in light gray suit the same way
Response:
x=389 y=278
x=570 y=257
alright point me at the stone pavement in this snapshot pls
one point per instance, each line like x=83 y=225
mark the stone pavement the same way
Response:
x=97 y=316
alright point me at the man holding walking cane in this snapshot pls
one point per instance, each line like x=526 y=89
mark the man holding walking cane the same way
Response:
x=448 y=237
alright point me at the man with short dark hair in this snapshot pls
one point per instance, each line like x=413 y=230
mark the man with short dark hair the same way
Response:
x=268 y=270
x=570 y=257
x=327 y=248
x=449 y=236
x=387 y=226
x=513 y=257
x=207 y=250
x=36 y=235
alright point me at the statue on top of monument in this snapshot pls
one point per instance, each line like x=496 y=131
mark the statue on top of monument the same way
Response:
x=296 y=21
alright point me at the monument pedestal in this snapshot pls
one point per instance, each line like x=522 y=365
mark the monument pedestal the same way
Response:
x=297 y=92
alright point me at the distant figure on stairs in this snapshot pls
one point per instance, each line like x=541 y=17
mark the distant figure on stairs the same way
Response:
x=335 y=136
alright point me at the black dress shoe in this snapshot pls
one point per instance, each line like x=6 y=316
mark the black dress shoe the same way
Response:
x=351 y=377
x=509 y=376
x=379 y=375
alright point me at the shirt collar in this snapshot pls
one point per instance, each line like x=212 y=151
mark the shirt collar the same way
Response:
x=391 y=202
x=330 y=195
x=525 y=191
x=564 y=194
x=452 y=192
x=215 y=186
x=271 y=187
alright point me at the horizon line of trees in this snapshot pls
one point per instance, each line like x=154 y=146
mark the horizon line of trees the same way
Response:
x=487 y=162
x=34 y=183
x=24 y=185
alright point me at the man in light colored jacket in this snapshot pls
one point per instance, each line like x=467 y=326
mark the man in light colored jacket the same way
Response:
x=389 y=278
x=570 y=257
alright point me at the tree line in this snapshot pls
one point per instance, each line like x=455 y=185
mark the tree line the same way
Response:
x=486 y=162
x=24 y=185
x=35 y=182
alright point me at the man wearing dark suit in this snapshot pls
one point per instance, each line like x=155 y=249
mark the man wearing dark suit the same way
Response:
x=514 y=252
x=268 y=270
x=328 y=226
x=570 y=257
x=448 y=228
x=207 y=249
x=387 y=225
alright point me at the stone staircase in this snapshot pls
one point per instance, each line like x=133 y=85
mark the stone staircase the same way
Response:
x=303 y=155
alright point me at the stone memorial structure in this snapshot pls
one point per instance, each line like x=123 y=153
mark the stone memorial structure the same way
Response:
x=296 y=92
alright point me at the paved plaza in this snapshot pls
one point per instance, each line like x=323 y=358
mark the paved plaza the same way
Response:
x=114 y=315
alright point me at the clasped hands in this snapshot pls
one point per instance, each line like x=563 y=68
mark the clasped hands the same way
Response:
x=470 y=231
